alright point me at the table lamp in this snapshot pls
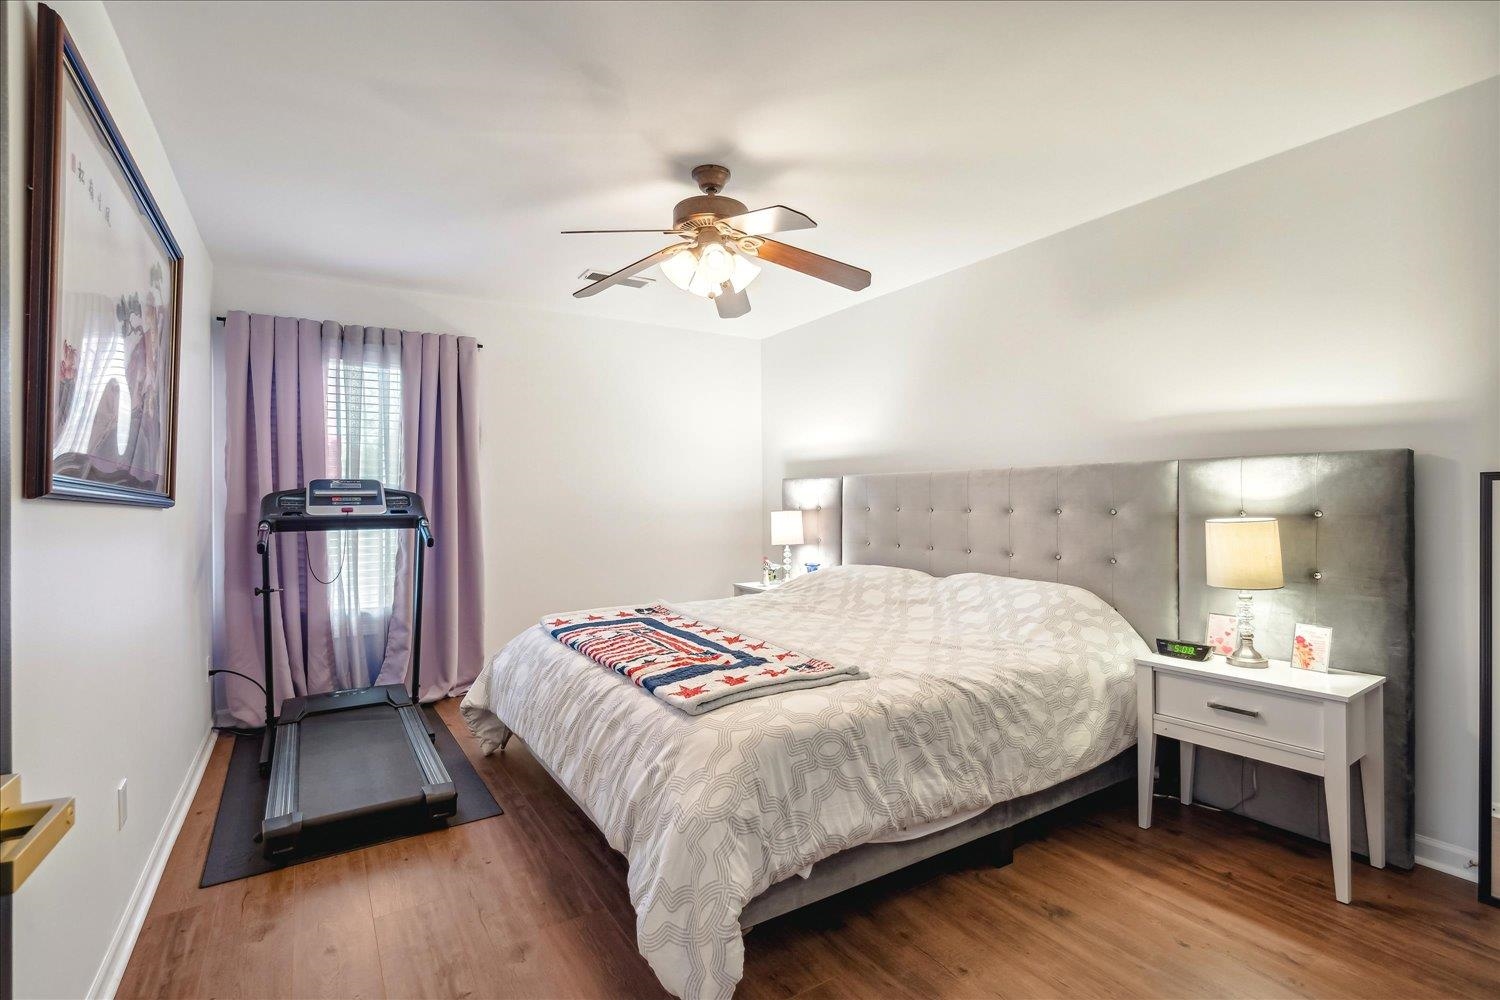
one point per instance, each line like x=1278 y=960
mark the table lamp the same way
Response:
x=1244 y=554
x=786 y=531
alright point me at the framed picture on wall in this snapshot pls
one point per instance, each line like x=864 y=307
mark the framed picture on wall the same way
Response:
x=103 y=303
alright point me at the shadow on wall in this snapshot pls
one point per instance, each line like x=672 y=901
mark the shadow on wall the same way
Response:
x=1205 y=434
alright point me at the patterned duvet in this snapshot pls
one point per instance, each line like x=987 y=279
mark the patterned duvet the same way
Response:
x=982 y=689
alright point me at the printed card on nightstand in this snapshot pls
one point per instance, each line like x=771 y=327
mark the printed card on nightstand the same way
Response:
x=1222 y=632
x=1312 y=645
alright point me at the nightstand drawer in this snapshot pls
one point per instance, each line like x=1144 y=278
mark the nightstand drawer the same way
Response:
x=1247 y=711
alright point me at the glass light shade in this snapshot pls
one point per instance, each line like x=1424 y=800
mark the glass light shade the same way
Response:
x=786 y=527
x=680 y=268
x=1243 y=553
x=744 y=272
x=703 y=270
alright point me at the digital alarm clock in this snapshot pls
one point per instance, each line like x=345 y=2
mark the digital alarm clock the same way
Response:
x=1184 y=650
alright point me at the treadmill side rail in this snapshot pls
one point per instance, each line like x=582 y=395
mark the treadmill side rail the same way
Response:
x=437 y=785
x=283 y=818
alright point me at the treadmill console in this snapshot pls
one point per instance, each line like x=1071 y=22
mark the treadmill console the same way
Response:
x=335 y=497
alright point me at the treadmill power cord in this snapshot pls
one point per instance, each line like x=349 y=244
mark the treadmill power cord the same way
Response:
x=237 y=730
x=343 y=558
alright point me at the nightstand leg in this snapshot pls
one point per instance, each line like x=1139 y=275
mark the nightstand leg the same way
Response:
x=1145 y=745
x=1336 y=789
x=1186 y=756
x=1372 y=775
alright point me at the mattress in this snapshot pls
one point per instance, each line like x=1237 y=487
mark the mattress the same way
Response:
x=981 y=689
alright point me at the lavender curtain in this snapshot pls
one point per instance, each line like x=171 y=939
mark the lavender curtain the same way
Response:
x=276 y=378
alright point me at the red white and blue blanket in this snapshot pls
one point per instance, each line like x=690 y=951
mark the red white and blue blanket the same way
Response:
x=690 y=664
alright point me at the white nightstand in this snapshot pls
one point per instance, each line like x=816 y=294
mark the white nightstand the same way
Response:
x=753 y=587
x=1312 y=722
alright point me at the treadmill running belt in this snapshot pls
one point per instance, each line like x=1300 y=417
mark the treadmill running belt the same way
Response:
x=234 y=851
x=386 y=775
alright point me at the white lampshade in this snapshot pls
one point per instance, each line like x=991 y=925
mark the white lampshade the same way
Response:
x=1244 y=553
x=786 y=527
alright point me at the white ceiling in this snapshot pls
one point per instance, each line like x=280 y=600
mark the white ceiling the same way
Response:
x=443 y=146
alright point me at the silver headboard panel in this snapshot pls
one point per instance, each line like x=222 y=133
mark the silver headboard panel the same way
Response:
x=821 y=503
x=1110 y=529
x=1348 y=553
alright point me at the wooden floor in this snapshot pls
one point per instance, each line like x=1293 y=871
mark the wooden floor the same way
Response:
x=534 y=904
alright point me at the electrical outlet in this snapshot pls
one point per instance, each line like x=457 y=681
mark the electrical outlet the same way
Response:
x=120 y=803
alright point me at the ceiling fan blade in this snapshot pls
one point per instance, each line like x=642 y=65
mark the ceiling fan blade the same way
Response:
x=625 y=272
x=845 y=275
x=730 y=303
x=776 y=219
x=582 y=232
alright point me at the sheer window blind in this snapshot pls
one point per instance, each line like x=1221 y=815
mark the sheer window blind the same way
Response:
x=364 y=442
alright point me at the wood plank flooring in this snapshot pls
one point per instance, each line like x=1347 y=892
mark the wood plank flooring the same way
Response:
x=534 y=904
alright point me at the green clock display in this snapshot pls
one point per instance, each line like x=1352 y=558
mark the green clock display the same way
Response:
x=1184 y=650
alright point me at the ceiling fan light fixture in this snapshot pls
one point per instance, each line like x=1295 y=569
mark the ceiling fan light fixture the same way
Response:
x=705 y=268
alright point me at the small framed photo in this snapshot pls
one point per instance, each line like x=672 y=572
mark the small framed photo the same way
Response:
x=1312 y=645
x=1222 y=633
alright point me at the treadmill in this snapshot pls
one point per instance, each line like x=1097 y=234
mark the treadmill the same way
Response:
x=357 y=753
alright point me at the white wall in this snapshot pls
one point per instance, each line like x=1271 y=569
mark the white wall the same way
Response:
x=1341 y=295
x=110 y=605
x=621 y=462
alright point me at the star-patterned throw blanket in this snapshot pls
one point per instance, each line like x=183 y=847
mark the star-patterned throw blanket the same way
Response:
x=692 y=665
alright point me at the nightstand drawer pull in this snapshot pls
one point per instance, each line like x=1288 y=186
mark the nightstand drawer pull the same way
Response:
x=1219 y=707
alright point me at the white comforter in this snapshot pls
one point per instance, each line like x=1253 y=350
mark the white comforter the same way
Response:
x=982 y=689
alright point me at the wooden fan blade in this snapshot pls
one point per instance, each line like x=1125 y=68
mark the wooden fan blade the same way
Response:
x=776 y=219
x=732 y=304
x=625 y=272
x=584 y=232
x=845 y=275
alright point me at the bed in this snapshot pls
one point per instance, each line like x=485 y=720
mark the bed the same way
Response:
x=982 y=689
x=997 y=614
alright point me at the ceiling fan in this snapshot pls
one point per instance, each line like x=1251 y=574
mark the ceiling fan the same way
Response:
x=720 y=244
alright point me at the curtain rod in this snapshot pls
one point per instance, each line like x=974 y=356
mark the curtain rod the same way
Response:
x=221 y=319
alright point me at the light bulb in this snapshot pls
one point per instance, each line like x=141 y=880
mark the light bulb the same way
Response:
x=715 y=264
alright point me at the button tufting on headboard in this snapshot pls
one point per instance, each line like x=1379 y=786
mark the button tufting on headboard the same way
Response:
x=1022 y=522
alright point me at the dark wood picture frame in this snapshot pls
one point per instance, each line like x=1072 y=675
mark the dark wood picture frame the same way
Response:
x=1488 y=495
x=59 y=65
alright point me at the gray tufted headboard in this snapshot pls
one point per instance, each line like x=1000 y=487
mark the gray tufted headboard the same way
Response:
x=1111 y=529
x=1133 y=534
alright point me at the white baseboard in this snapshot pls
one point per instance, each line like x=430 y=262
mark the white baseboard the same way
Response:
x=1450 y=859
x=112 y=969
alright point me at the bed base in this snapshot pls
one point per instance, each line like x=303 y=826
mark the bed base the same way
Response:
x=867 y=862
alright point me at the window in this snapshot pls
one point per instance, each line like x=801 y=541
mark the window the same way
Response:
x=364 y=439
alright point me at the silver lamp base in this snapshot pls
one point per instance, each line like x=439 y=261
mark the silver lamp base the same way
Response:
x=1246 y=655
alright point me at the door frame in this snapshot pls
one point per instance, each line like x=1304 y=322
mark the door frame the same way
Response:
x=7 y=984
x=1488 y=495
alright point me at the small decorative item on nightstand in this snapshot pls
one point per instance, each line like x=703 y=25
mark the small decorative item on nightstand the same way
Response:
x=1221 y=633
x=1312 y=646
x=1244 y=554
